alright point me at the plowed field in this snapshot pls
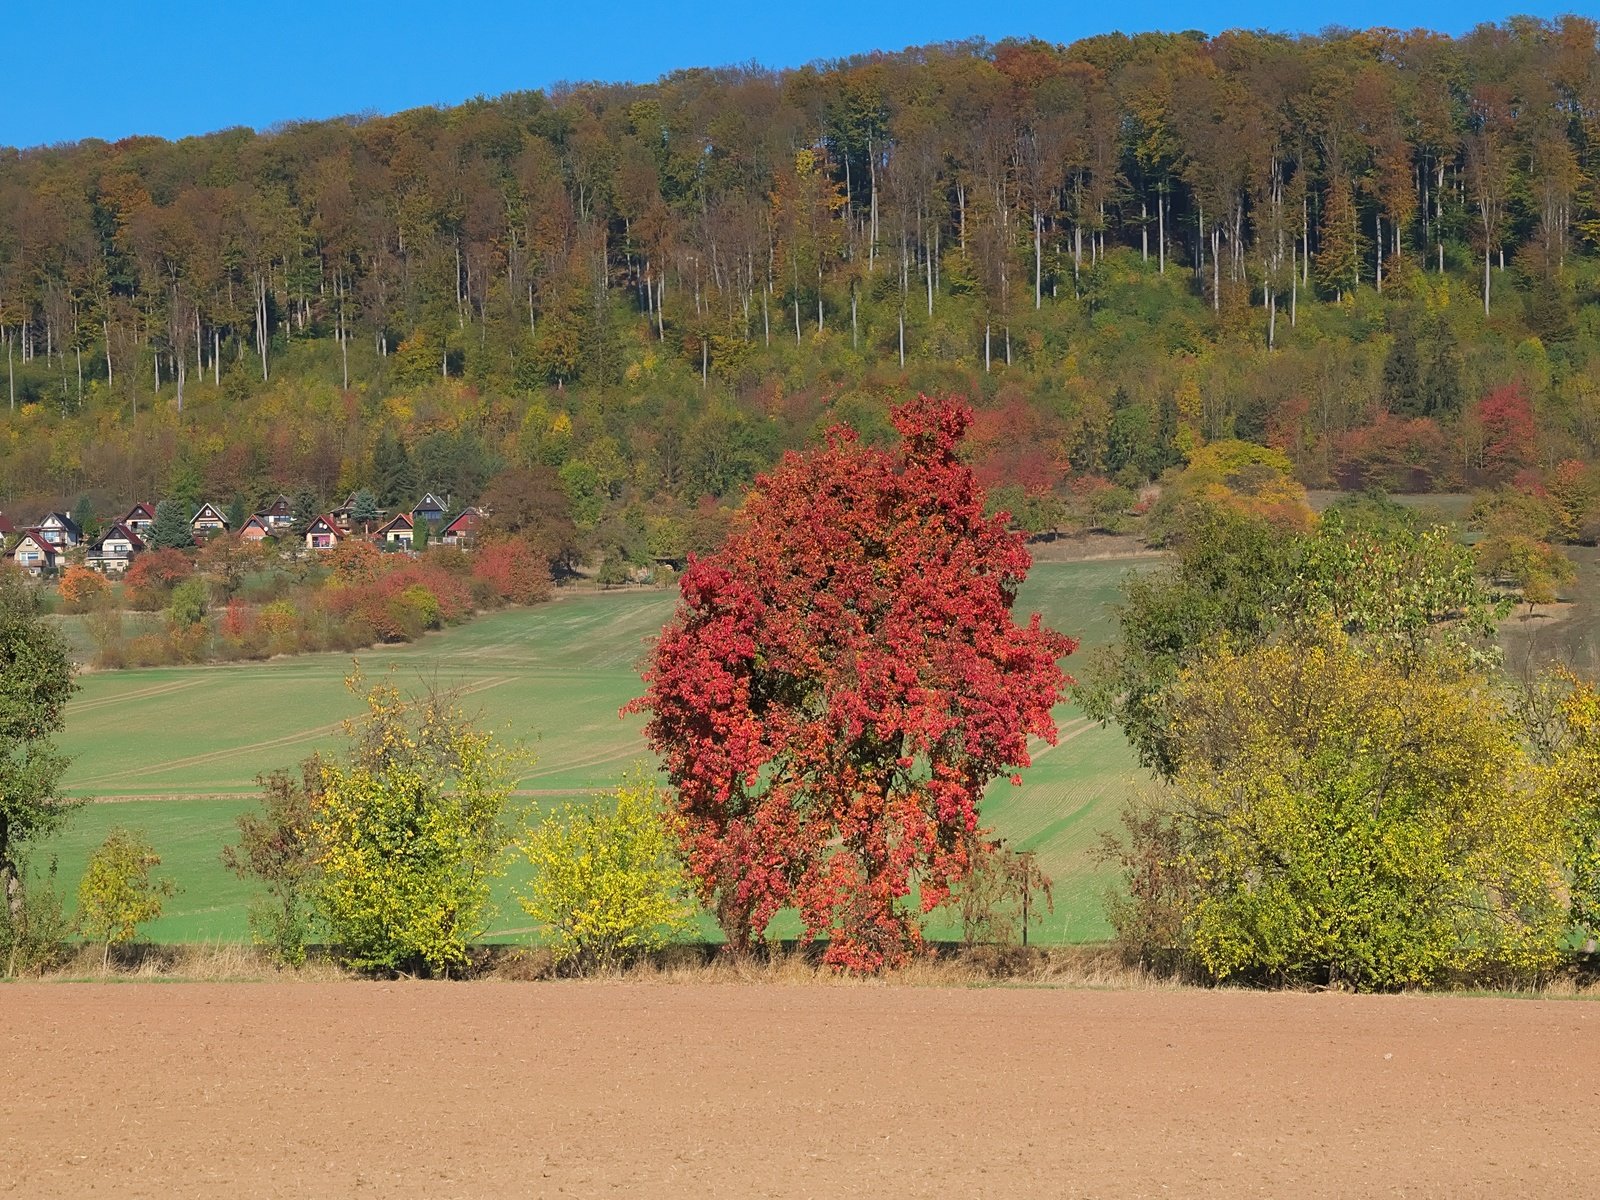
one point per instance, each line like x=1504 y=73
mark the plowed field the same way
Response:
x=665 y=1090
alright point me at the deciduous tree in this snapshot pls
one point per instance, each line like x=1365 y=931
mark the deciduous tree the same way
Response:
x=118 y=893
x=35 y=684
x=409 y=833
x=607 y=884
x=839 y=684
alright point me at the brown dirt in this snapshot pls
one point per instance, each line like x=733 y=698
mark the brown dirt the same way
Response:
x=644 y=1089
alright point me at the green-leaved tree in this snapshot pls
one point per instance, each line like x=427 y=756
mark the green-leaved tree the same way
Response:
x=118 y=893
x=35 y=684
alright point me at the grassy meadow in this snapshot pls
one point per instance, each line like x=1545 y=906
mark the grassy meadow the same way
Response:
x=175 y=751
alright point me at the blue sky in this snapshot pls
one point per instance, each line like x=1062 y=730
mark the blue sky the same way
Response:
x=110 y=68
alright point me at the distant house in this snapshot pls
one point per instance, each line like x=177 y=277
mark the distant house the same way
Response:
x=115 y=550
x=256 y=528
x=398 y=530
x=208 y=520
x=6 y=528
x=139 y=518
x=279 y=514
x=430 y=509
x=34 y=552
x=323 y=534
x=60 y=530
x=464 y=529
x=344 y=515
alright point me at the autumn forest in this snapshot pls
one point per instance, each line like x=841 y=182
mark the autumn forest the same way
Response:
x=1372 y=250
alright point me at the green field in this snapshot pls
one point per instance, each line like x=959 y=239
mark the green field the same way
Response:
x=175 y=751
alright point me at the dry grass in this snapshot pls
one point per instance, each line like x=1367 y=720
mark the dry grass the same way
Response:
x=1095 y=967
x=984 y=966
x=205 y=962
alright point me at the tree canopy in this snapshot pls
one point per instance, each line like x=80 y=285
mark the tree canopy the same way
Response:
x=841 y=681
x=35 y=685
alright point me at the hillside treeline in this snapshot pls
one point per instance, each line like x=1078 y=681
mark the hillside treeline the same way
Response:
x=1338 y=245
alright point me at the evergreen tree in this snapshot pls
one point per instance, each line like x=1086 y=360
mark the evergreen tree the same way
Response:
x=364 y=508
x=307 y=508
x=237 y=513
x=393 y=475
x=1402 y=370
x=1442 y=390
x=87 y=516
x=171 y=530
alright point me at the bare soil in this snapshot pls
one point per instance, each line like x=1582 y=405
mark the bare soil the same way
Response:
x=662 y=1090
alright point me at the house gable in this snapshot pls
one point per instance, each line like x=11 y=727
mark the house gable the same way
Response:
x=59 y=529
x=255 y=528
x=464 y=526
x=323 y=534
x=140 y=517
x=34 y=552
x=429 y=508
x=209 y=516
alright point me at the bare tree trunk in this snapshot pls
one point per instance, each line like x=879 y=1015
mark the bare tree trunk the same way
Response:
x=1038 y=261
x=1161 y=230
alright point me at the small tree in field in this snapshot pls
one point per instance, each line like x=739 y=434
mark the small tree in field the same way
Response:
x=80 y=587
x=409 y=834
x=606 y=883
x=839 y=684
x=117 y=893
x=275 y=849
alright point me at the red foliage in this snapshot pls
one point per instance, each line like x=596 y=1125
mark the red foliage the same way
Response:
x=840 y=682
x=513 y=568
x=238 y=621
x=377 y=601
x=153 y=574
x=1394 y=453
x=1011 y=444
x=1506 y=415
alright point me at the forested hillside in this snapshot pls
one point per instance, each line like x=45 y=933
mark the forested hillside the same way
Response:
x=1373 y=250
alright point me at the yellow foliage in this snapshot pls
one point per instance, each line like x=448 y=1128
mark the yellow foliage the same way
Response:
x=606 y=884
x=1348 y=817
x=410 y=833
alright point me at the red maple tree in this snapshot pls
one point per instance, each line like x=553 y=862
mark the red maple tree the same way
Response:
x=840 y=682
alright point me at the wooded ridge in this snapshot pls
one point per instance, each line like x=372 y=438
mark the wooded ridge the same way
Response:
x=1338 y=245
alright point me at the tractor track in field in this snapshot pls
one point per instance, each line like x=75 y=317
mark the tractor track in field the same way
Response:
x=288 y=739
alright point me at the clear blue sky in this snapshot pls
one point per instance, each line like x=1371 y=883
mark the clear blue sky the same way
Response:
x=110 y=68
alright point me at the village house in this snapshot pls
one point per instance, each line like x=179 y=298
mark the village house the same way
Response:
x=399 y=530
x=279 y=514
x=115 y=550
x=323 y=534
x=344 y=515
x=60 y=530
x=208 y=520
x=34 y=553
x=462 y=531
x=256 y=529
x=6 y=528
x=429 y=509
x=139 y=518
